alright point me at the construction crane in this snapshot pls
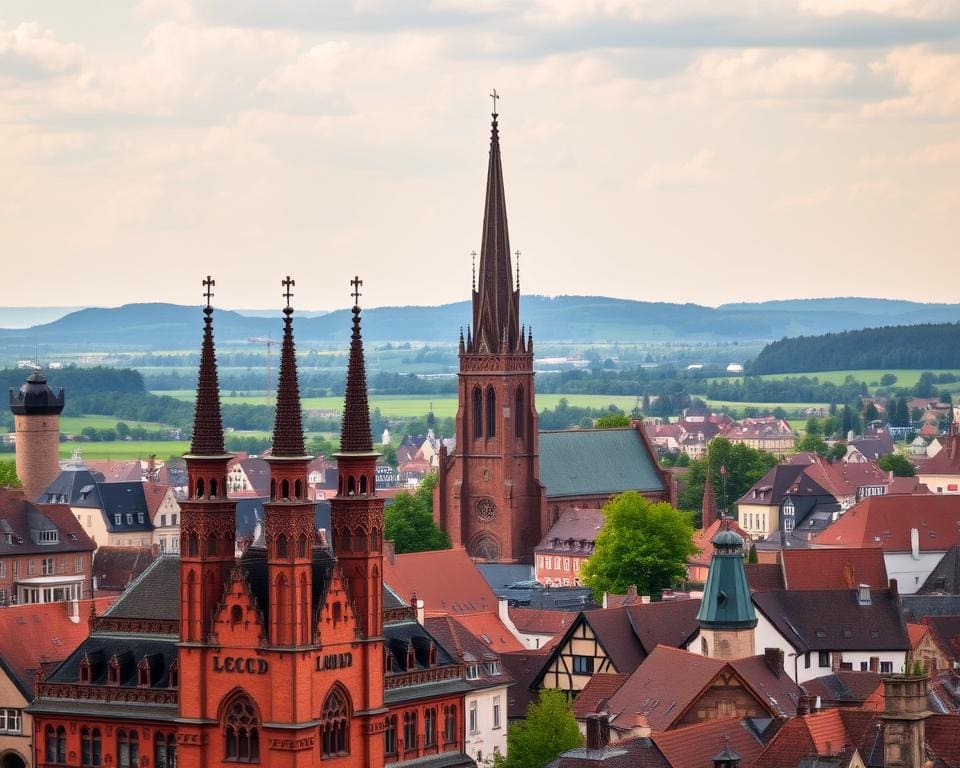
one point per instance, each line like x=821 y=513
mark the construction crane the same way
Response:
x=270 y=344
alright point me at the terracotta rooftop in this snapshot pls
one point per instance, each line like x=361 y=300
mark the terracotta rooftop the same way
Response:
x=696 y=745
x=539 y=622
x=599 y=688
x=465 y=646
x=115 y=567
x=841 y=568
x=886 y=521
x=823 y=733
x=947 y=460
x=446 y=580
x=764 y=576
x=41 y=634
x=844 y=687
x=703 y=539
x=21 y=523
x=574 y=532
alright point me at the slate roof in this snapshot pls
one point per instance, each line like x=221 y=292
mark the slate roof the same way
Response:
x=696 y=745
x=75 y=485
x=22 y=522
x=874 y=444
x=34 y=636
x=115 y=567
x=919 y=607
x=574 y=533
x=944 y=579
x=947 y=631
x=833 y=620
x=834 y=568
x=129 y=649
x=886 y=521
x=523 y=667
x=589 y=462
x=500 y=575
x=250 y=509
x=629 y=753
x=155 y=594
x=844 y=687
x=781 y=480
x=129 y=502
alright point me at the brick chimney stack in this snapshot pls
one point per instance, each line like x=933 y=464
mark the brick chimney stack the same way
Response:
x=905 y=713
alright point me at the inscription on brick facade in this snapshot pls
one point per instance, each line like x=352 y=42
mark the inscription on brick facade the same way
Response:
x=241 y=665
x=334 y=661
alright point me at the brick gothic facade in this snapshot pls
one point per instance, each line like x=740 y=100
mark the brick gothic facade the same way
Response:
x=488 y=498
x=288 y=656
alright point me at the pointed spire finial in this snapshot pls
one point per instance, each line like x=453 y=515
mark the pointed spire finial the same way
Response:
x=288 y=420
x=473 y=270
x=517 y=254
x=496 y=97
x=207 y=421
x=355 y=435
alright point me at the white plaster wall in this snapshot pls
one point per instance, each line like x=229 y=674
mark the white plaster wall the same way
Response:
x=486 y=739
x=910 y=573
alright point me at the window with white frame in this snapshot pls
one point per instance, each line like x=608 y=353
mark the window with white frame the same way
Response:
x=11 y=721
x=473 y=717
x=78 y=564
x=46 y=567
x=496 y=711
x=3 y=569
x=473 y=671
x=49 y=537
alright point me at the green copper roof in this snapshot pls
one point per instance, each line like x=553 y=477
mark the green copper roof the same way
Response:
x=596 y=461
x=727 y=603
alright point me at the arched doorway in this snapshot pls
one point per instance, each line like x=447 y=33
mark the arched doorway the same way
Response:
x=12 y=760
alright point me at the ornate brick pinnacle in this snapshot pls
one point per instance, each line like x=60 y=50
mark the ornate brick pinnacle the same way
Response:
x=207 y=422
x=355 y=436
x=288 y=423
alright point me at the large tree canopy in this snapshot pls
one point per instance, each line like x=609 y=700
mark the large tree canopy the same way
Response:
x=744 y=466
x=548 y=730
x=8 y=474
x=408 y=521
x=642 y=543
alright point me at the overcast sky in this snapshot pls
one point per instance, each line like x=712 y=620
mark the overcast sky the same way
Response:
x=667 y=150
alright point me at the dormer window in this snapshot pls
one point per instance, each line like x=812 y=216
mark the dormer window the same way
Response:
x=140 y=517
x=129 y=519
x=174 y=676
x=49 y=537
x=388 y=660
x=118 y=519
x=473 y=671
x=143 y=673
x=411 y=658
x=432 y=655
x=85 y=671
x=113 y=672
x=493 y=668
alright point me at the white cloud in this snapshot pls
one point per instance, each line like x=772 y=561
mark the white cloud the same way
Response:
x=916 y=9
x=931 y=80
x=28 y=51
x=765 y=74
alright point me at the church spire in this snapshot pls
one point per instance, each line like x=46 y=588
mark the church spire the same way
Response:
x=708 y=510
x=288 y=424
x=355 y=435
x=496 y=303
x=207 y=422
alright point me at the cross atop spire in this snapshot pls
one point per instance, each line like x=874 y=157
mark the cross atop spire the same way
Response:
x=288 y=421
x=207 y=421
x=356 y=283
x=496 y=97
x=208 y=285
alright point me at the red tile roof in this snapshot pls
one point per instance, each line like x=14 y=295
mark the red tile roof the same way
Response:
x=488 y=627
x=886 y=521
x=116 y=471
x=599 y=688
x=763 y=577
x=696 y=745
x=943 y=738
x=22 y=516
x=115 y=567
x=446 y=580
x=841 y=568
x=844 y=687
x=465 y=646
x=539 y=622
x=154 y=493
x=947 y=460
x=40 y=634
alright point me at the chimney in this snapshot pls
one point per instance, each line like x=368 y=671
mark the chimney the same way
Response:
x=803 y=705
x=863 y=594
x=915 y=543
x=598 y=730
x=421 y=613
x=904 y=715
x=632 y=593
x=389 y=551
x=75 y=611
x=774 y=660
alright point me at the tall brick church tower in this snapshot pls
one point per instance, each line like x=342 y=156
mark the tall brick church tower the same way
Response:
x=488 y=498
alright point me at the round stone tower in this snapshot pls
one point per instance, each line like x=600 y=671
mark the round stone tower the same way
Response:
x=36 y=412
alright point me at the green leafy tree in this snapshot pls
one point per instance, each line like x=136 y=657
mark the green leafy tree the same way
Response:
x=888 y=380
x=408 y=521
x=123 y=430
x=683 y=459
x=549 y=729
x=612 y=420
x=898 y=464
x=870 y=413
x=814 y=427
x=8 y=474
x=752 y=555
x=642 y=543
x=837 y=451
x=813 y=444
x=744 y=465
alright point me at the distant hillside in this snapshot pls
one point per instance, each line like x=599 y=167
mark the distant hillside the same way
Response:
x=24 y=317
x=926 y=346
x=564 y=318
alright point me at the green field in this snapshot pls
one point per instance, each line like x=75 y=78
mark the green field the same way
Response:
x=74 y=425
x=789 y=407
x=905 y=378
x=126 y=449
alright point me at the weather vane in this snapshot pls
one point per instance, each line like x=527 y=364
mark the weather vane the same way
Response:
x=288 y=283
x=208 y=285
x=356 y=283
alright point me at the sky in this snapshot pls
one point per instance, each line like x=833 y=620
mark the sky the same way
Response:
x=703 y=151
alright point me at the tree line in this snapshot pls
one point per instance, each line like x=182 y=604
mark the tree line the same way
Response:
x=931 y=345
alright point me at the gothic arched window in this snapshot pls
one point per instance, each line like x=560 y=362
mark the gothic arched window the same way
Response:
x=491 y=412
x=241 y=731
x=449 y=724
x=55 y=744
x=91 y=747
x=128 y=749
x=409 y=731
x=335 y=724
x=165 y=750
x=477 y=413
x=302 y=545
x=390 y=736
x=282 y=545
